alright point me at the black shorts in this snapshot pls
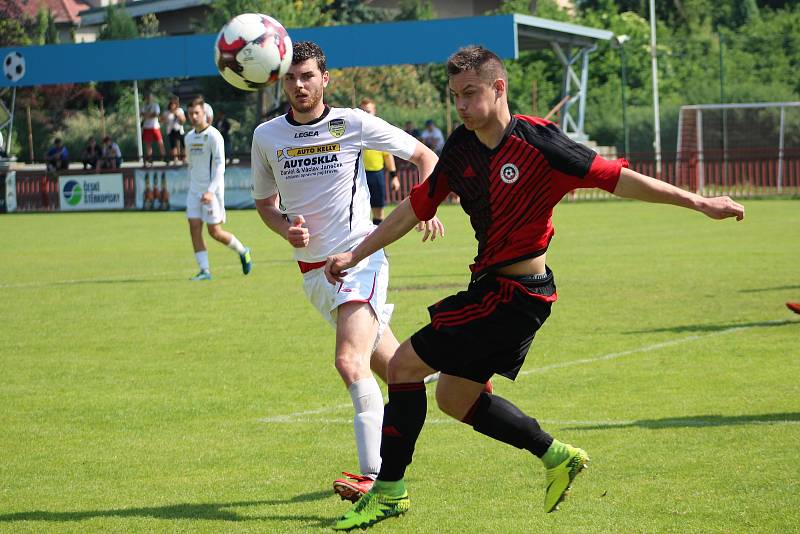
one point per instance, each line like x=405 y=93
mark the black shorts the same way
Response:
x=376 y=182
x=486 y=329
x=175 y=139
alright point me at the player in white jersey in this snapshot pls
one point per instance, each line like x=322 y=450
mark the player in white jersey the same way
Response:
x=205 y=201
x=308 y=169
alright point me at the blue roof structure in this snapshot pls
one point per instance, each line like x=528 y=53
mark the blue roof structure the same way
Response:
x=361 y=45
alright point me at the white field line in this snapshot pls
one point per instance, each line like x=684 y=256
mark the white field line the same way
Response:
x=302 y=417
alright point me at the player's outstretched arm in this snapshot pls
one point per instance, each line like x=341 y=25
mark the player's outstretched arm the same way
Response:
x=395 y=226
x=425 y=159
x=631 y=184
x=295 y=233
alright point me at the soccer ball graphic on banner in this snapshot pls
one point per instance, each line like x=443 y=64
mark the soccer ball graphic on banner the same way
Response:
x=252 y=51
x=14 y=66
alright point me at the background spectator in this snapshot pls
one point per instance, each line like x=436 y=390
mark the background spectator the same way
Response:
x=151 y=129
x=174 y=117
x=91 y=153
x=57 y=157
x=112 y=155
x=411 y=130
x=432 y=137
x=223 y=124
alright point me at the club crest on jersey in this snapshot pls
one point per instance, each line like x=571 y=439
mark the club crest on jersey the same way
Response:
x=336 y=127
x=509 y=173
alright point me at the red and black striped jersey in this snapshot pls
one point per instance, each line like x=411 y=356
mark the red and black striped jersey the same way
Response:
x=509 y=192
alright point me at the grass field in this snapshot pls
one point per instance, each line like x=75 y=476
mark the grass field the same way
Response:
x=136 y=401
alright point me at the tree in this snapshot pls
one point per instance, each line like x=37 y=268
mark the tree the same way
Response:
x=119 y=25
x=51 y=32
x=13 y=33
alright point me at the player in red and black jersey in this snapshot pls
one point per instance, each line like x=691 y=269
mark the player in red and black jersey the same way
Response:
x=510 y=171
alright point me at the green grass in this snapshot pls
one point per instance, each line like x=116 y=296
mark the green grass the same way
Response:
x=133 y=400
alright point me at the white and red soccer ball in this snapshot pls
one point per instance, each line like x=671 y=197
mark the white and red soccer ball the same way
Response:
x=253 y=51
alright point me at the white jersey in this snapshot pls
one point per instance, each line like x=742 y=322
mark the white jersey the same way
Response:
x=152 y=122
x=318 y=170
x=205 y=154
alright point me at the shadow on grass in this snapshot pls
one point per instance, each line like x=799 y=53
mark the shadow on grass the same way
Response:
x=777 y=288
x=714 y=327
x=206 y=511
x=698 y=421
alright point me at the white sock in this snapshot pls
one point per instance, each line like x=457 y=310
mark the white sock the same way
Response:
x=236 y=245
x=368 y=405
x=202 y=259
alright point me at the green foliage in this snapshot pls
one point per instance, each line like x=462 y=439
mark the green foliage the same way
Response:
x=148 y=25
x=13 y=33
x=415 y=10
x=51 y=33
x=293 y=14
x=119 y=25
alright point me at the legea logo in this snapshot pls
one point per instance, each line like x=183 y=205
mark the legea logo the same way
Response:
x=73 y=192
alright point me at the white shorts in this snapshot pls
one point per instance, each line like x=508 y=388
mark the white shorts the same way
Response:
x=365 y=282
x=211 y=213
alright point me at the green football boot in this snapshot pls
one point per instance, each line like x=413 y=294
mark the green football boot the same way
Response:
x=247 y=262
x=371 y=508
x=559 y=478
x=201 y=276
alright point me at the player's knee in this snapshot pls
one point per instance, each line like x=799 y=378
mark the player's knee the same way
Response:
x=349 y=365
x=454 y=406
x=215 y=232
x=406 y=366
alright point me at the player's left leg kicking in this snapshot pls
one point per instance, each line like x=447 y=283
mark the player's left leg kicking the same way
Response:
x=467 y=348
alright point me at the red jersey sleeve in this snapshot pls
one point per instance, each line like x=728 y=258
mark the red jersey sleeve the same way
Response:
x=573 y=164
x=604 y=173
x=427 y=196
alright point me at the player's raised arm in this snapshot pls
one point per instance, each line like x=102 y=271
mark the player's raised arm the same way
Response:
x=395 y=226
x=631 y=184
x=425 y=160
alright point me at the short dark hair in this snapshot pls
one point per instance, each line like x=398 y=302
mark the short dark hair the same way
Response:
x=483 y=61
x=197 y=101
x=57 y=141
x=304 y=50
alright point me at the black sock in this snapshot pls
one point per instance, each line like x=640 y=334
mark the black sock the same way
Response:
x=376 y=222
x=403 y=418
x=499 y=419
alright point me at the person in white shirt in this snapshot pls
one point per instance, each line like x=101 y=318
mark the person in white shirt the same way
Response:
x=151 y=129
x=432 y=137
x=205 y=201
x=310 y=188
x=174 y=118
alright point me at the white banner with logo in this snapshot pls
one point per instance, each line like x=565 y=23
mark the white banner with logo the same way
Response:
x=81 y=192
x=151 y=185
x=11 y=192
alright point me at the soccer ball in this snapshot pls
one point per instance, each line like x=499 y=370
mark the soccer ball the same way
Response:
x=14 y=66
x=252 y=51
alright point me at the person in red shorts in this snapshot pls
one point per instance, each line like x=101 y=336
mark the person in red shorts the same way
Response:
x=151 y=129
